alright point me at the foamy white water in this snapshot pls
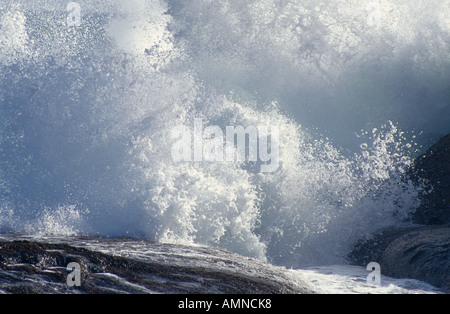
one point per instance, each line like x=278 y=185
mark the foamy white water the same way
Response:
x=345 y=279
x=87 y=111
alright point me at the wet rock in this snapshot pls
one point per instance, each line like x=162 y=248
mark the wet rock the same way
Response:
x=434 y=167
x=40 y=268
x=421 y=253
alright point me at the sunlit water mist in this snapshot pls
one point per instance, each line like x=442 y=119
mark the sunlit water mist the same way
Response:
x=87 y=113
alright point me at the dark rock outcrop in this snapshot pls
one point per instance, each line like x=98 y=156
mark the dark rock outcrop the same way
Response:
x=40 y=268
x=434 y=167
x=421 y=253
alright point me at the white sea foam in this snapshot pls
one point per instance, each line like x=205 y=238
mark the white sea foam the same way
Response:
x=87 y=113
x=13 y=38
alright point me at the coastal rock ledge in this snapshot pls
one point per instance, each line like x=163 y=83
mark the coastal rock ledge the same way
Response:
x=28 y=267
x=423 y=251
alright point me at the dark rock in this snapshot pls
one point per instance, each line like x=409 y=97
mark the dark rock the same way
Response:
x=418 y=252
x=434 y=167
x=421 y=253
x=40 y=268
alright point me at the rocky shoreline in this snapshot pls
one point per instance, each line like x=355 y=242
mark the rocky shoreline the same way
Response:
x=420 y=252
x=29 y=267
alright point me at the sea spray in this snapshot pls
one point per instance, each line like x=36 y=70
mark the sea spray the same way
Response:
x=87 y=113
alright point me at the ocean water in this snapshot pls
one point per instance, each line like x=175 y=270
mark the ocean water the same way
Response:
x=87 y=106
